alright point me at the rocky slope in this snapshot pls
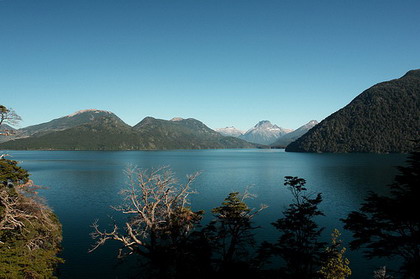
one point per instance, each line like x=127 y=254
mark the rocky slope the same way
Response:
x=230 y=132
x=264 y=133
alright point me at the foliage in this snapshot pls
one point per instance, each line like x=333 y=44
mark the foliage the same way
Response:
x=298 y=244
x=336 y=266
x=11 y=173
x=384 y=118
x=30 y=234
x=389 y=226
x=231 y=233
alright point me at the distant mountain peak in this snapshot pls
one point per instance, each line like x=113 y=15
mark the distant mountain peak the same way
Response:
x=264 y=133
x=88 y=110
x=230 y=131
x=263 y=123
x=177 y=119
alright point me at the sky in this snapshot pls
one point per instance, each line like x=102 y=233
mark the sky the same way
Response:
x=223 y=62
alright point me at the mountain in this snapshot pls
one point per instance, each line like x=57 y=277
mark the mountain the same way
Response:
x=6 y=129
x=286 y=139
x=384 y=118
x=230 y=132
x=184 y=134
x=264 y=133
x=72 y=120
x=105 y=131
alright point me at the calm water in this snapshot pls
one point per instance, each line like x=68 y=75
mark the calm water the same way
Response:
x=81 y=186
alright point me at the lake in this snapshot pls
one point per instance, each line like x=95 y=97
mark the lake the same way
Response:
x=82 y=185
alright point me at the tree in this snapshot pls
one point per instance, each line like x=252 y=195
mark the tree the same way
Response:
x=8 y=116
x=298 y=244
x=231 y=233
x=30 y=233
x=160 y=221
x=381 y=274
x=336 y=266
x=389 y=226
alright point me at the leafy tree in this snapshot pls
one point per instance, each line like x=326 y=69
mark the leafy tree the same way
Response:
x=389 y=226
x=12 y=174
x=298 y=244
x=232 y=232
x=336 y=266
x=30 y=233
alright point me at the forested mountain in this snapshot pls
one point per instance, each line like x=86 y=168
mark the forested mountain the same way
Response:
x=105 y=131
x=384 y=118
x=184 y=134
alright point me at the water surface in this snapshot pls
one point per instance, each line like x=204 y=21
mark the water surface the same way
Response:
x=82 y=185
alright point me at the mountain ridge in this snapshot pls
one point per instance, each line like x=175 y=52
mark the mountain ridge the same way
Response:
x=384 y=118
x=105 y=131
x=288 y=138
x=264 y=133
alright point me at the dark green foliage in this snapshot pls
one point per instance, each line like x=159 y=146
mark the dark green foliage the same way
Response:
x=110 y=133
x=18 y=261
x=30 y=234
x=232 y=233
x=389 y=226
x=385 y=118
x=298 y=246
x=11 y=173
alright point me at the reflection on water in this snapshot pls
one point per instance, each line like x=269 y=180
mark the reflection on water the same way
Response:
x=82 y=185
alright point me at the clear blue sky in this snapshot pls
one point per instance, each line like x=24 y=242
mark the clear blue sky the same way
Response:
x=224 y=62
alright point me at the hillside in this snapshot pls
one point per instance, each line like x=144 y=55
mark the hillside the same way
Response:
x=108 y=132
x=288 y=138
x=384 y=118
x=184 y=134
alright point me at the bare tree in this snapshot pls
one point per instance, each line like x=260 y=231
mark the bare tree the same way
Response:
x=8 y=116
x=159 y=216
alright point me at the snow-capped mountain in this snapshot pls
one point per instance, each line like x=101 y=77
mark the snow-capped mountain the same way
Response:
x=286 y=139
x=230 y=132
x=264 y=133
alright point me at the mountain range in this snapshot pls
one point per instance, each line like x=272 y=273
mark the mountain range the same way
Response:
x=230 y=132
x=103 y=130
x=288 y=138
x=266 y=133
x=383 y=119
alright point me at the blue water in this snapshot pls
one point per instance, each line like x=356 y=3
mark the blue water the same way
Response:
x=81 y=186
